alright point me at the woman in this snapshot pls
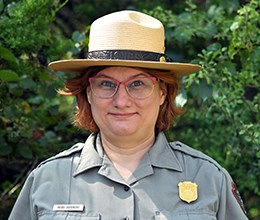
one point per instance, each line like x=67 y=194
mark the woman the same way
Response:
x=127 y=169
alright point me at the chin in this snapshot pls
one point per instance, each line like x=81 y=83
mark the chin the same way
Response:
x=123 y=131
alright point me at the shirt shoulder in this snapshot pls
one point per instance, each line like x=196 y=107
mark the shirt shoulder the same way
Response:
x=77 y=148
x=231 y=204
x=183 y=149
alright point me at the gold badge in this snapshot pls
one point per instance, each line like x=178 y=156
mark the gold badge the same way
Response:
x=188 y=191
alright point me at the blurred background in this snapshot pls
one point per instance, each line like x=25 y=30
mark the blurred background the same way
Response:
x=222 y=101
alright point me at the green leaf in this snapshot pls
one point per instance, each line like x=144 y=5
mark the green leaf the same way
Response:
x=36 y=100
x=28 y=83
x=183 y=34
x=202 y=90
x=230 y=6
x=1 y=5
x=230 y=67
x=26 y=107
x=234 y=26
x=44 y=76
x=25 y=151
x=49 y=134
x=50 y=92
x=7 y=54
x=11 y=112
x=78 y=37
x=5 y=149
x=8 y=76
x=212 y=11
x=15 y=89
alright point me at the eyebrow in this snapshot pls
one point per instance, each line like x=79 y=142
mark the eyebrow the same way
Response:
x=132 y=77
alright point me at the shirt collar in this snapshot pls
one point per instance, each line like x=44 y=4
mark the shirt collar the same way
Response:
x=160 y=155
x=91 y=156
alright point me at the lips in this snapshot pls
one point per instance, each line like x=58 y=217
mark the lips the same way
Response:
x=122 y=115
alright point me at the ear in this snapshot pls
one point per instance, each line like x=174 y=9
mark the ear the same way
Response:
x=163 y=93
x=89 y=95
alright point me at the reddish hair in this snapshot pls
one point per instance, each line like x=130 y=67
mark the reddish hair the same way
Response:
x=83 y=117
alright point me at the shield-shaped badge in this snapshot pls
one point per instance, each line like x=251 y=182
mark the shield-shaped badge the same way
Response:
x=188 y=191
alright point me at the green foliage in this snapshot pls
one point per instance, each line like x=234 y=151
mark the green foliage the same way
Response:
x=23 y=28
x=30 y=110
x=222 y=100
x=223 y=116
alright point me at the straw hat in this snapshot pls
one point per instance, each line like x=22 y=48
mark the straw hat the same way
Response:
x=126 y=38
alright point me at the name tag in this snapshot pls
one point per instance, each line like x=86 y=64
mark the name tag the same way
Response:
x=68 y=207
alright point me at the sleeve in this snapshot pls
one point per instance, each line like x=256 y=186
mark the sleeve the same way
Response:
x=231 y=205
x=22 y=208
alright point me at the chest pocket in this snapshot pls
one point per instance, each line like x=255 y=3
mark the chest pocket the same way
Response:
x=184 y=216
x=67 y=216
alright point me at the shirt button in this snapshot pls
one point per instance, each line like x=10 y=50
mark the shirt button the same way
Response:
x=126 y=218
x=126 y=188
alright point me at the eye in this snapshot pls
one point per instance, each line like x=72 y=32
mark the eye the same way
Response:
x=136 y=83
x=107 y=83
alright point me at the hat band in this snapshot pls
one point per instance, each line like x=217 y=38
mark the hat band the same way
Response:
x=128 y=55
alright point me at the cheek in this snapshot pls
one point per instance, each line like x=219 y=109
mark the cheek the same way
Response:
x=151 y=105
x=98 y=106
x=158 y=98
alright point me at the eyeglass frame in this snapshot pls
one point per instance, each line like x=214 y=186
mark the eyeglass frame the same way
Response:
x=118 y=83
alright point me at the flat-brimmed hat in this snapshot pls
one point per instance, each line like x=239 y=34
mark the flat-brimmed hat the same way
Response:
x=126 y=38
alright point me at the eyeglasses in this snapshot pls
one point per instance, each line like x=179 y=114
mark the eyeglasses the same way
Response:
x=138 y=88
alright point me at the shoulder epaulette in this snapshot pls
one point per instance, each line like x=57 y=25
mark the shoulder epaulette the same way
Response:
x=178 y=146
x=66 y=153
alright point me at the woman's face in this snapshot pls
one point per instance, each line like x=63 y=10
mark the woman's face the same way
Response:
x=123 y=115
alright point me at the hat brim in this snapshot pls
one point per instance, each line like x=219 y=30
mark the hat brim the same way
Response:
x=77 y=66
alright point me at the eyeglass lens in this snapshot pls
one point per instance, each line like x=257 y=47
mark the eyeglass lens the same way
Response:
x=139 y=88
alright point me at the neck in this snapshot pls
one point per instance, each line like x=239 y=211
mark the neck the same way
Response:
x=126 y=155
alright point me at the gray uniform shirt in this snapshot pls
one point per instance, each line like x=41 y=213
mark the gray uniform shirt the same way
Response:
x=82 y=183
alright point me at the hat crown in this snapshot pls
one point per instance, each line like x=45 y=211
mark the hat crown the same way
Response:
x=127 y=30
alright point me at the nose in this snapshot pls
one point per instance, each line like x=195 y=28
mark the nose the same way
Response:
x=122 y=99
